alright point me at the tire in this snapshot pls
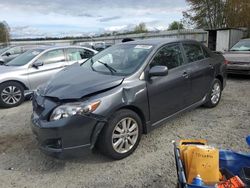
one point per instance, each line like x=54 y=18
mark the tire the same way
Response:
x=112 y=134
x=16 y=94
x=214 y=94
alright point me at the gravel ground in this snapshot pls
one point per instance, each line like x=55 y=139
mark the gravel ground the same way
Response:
x=151 y=165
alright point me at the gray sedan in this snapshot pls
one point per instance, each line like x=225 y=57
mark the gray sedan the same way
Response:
x=23 y=74
x=124 y=91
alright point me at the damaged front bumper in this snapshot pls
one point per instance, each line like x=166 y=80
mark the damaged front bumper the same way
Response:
x=72 y=136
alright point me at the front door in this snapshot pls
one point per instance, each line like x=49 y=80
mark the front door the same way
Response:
x=53 y=61
x=167 y=94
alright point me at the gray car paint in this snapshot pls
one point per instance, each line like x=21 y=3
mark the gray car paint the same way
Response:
x=31 y=77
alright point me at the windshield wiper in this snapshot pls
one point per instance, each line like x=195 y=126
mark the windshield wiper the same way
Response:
x=112 y=70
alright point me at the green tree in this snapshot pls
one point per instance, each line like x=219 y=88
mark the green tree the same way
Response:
x=175 y=26
x=141 y=28
x=4 y=32
x=211 y=14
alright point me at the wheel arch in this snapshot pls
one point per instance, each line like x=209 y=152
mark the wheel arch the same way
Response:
x=219 y=77
x=139 y=113
x=17 y=81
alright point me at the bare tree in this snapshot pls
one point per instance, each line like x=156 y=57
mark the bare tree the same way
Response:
x=4 y=32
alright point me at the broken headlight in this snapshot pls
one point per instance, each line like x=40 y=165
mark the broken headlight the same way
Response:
x=71 y=109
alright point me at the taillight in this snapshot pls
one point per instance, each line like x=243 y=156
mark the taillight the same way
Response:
x=226 y=62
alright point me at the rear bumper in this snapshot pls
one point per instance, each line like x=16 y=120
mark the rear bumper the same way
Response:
x=238 y=69
x=69 y=137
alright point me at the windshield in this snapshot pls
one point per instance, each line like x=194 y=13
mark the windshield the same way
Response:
x=120 y=59
x=24 y=58
x=243 y=45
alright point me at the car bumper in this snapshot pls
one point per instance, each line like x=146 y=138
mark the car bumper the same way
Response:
x=68 y=137
x=238 y=69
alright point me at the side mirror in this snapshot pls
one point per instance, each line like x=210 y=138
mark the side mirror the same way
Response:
x=37 y=64
x=7 y=54
x=158 y=71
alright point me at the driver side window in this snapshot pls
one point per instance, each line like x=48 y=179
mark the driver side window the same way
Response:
x=54 y=56
x=170 y=56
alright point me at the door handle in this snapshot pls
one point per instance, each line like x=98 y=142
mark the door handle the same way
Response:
x=185 y=75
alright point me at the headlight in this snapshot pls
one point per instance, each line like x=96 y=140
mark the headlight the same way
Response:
x=71 y=109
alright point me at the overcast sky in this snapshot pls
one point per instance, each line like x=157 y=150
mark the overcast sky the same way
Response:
x=34 y=18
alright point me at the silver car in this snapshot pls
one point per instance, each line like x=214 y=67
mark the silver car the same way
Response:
x=22 y=75
x=11 y=52
x=238 y=58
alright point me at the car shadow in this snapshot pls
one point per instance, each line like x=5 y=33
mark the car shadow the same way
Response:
x=238 y=77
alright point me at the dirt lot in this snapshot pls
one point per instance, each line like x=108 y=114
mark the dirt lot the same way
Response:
x=152 y=164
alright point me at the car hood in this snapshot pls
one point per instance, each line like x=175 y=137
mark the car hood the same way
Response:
x=234 y=56
x=75 y=82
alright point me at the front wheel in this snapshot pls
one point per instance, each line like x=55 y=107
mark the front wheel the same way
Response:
x=121 y=135
x=11 y=94
x=214 y=94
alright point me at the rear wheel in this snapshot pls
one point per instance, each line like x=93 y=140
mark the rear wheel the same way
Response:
x=11 y=94
x=214 y=94
x=122 y=134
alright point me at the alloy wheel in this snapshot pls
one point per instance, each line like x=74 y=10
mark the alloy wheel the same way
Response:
x=125 y=135
x=11 y=95
x=216 y=92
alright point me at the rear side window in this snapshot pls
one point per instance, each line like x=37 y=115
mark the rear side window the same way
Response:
x=193 y=52
x=169 y=56
x=76 y=54
x=54 y=56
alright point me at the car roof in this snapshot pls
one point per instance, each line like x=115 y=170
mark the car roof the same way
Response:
x=158 y=41
x=59 y=47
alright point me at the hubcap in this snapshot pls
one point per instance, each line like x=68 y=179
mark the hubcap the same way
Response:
x=215 y=96
x=125 y=135
x=11 y=95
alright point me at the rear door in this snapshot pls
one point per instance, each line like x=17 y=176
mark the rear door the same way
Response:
x=167 y=94
x=200 y=69
x=53 y=61
x=79 y=55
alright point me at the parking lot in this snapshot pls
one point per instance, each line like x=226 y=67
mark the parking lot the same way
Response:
x=151 y=165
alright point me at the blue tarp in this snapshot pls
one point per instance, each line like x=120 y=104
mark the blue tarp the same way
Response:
x=234 y=161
